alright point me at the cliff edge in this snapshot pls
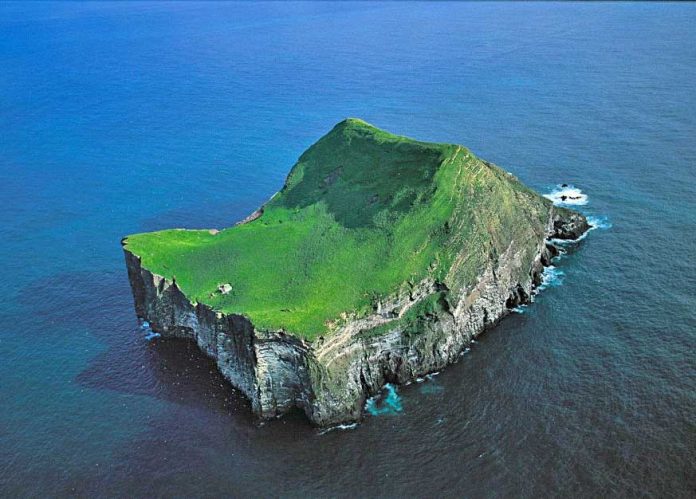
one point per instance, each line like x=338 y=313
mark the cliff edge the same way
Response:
x=380 y=260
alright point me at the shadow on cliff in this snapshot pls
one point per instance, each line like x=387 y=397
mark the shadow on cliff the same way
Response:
x=171 y=370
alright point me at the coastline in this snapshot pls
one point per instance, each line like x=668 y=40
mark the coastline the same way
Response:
x=330 y=379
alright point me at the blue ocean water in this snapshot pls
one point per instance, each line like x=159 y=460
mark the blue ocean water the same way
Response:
x=118 y=118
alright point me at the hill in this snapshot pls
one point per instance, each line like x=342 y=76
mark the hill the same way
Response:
x=373 y=238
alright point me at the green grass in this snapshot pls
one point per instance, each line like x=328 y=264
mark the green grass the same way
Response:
x=362 y=212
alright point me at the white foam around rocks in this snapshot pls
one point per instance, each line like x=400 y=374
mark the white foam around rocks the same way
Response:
x=567 y=195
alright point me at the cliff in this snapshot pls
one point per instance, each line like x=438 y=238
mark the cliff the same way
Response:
x=379 y=261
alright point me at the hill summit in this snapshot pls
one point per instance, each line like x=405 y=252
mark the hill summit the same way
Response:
x=396 y=249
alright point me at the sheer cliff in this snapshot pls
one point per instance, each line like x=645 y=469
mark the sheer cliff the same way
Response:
x=378 y=261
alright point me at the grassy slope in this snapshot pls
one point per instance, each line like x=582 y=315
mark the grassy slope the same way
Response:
x=362 y=212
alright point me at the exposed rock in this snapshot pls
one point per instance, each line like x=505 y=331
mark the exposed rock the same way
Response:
x=330 y=378
x=568 y=225
x=251 y=217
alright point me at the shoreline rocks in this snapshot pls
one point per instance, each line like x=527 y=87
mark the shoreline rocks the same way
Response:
x=331 y=377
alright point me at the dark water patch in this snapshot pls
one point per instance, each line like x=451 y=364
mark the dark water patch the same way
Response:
x=174 y=370
x=431 y=388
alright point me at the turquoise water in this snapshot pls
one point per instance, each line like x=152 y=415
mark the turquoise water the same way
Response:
x=118 y=118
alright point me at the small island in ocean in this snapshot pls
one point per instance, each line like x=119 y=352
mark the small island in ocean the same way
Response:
x=379 y=261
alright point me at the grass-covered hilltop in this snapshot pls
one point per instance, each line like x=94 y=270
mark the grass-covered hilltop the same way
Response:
x=374 y=236
x=362 y=213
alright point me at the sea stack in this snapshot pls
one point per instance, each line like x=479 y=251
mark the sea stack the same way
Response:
x=379 y=261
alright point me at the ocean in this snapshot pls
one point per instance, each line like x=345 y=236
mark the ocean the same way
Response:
x=118 y=118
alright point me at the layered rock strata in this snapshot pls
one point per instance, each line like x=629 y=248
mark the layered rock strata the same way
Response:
x=329 y=378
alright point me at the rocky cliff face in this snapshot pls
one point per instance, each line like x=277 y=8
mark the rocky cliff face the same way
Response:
x=329 y=379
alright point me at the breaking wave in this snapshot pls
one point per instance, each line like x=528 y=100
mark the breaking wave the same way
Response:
x=520 y=309
x=567 y=195
x=595 y=222
x=599 y=222
x=551 y=277
x=341 y=427
x=388 y=402
x=149 y=333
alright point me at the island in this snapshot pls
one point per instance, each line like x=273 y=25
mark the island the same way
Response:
x=379 y=261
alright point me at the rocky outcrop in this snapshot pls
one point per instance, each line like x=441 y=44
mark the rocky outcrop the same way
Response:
x=568 y=225
x=330 y=378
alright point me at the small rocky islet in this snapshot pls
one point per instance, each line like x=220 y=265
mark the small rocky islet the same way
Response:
x=379 y=261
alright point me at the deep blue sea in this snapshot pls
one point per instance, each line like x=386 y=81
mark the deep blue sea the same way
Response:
x=118 y=118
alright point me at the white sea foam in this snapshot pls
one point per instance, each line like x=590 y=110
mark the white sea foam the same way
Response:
x=388 y=402
x=599 y=222
x=341 y=427
x=152 y=335
x=567 y=195
x=149 y=333
x=595 y=222
x=561 y=243
x=520 y=309
x=551 y=277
